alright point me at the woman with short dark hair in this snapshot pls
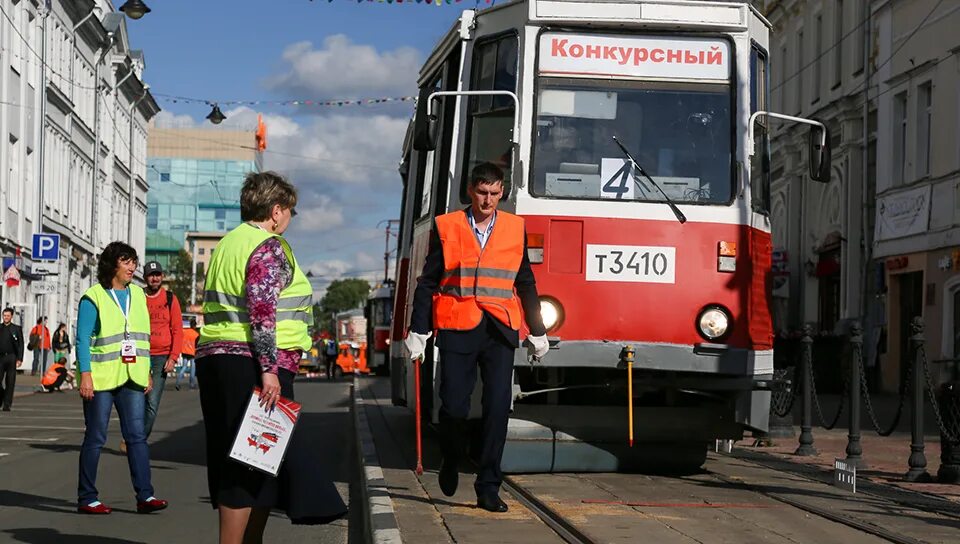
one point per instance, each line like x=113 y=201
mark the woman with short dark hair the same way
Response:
x=113 y=356
x=256 y=309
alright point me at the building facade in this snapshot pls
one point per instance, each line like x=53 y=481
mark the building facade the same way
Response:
x=881 y=241
x=918 y=185
x=74 y=110
x=195 y=177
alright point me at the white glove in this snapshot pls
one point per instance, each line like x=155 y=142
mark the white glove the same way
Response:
x=539 y=346
x=416 y=344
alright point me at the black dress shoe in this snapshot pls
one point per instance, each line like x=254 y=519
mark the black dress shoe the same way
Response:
x=449 y=477
x=491 y=503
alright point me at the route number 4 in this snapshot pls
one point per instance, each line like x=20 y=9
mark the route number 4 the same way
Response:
x=617 y=177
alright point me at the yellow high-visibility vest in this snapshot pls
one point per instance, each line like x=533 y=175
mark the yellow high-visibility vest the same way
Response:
x=225 y=316
x=106 y=367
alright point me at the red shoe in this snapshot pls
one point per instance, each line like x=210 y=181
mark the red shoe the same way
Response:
x=99 y=510
x=151 y=505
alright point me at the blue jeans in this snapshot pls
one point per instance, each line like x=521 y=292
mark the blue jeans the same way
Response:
x=187 y=365
x=157 y=363
x=129 y=400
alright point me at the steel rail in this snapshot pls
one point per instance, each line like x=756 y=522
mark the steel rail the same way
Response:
x=862 y=526
x=564 y=529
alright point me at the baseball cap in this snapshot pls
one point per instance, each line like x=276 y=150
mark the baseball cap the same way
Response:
x=153 y=267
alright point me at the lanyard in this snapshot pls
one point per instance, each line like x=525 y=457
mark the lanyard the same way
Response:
x=125 y=312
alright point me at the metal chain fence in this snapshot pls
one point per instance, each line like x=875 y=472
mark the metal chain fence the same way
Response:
x=954 y=408
x=865 y=393
x=816 y=399
x=783 y=399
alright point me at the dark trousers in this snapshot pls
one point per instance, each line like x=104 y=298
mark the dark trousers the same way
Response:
x=8 y=378
x=458 y=375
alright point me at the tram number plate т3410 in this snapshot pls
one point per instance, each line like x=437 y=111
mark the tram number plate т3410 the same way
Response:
x=641 y=264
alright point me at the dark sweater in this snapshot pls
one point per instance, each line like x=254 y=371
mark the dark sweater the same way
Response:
x=11 y=341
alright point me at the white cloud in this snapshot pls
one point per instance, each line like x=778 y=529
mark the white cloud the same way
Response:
x=340 y=68
x=166 y=119
x=319 y=215
x=343 y=149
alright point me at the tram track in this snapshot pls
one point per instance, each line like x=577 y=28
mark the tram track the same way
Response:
x=560 y=525
x=569 y=531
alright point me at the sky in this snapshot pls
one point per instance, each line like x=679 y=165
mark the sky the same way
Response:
x=342 y=160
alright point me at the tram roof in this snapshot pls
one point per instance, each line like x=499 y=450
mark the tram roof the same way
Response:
x=707 y=14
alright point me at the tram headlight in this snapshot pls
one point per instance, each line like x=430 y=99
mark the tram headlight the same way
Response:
x=714 y=323
x=552 y=313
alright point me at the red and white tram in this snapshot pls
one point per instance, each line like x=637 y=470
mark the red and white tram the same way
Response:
x=541 y=87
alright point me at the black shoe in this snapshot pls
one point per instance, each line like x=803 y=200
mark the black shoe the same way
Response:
x=6 y=408
x=491 y=503
x=449 y=477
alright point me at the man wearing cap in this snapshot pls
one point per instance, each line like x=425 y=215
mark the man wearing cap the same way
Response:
x=166 y=337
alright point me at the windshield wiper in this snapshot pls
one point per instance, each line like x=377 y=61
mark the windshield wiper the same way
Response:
x=676 y=211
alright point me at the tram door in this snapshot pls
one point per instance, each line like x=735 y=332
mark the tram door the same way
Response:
x=911 y=306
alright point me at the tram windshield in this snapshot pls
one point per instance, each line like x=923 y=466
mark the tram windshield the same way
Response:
x=679 y=133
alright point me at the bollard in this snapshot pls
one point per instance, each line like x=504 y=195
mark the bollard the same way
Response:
x=854 y=449
x=806 y=418
x=949 y=472
x=918 y=461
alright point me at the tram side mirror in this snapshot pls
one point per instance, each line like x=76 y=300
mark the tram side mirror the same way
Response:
x=820 y=154
x=433 y=132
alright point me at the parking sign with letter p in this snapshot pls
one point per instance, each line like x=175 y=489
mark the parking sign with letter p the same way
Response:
x=46 y=247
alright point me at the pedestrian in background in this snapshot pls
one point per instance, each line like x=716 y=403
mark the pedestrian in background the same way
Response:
x=11 y=357
x=187 y=354
x=256 y=309
x=330 y=358
x=57 y=377
x=40 y=345
x=61 y=343
x=113 y=355
x=476 y=289
x=166 y=337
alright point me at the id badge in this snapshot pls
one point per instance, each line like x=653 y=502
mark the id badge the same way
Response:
x=128 y=351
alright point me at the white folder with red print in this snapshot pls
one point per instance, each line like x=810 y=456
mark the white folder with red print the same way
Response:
x=264 y=434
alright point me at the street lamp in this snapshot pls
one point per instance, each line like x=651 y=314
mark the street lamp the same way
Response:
x=135 y=9
x=216 y=116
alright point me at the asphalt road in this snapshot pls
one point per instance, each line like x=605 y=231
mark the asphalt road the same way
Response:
x=39 y=450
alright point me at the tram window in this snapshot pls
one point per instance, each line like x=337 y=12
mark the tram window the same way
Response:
x=490 y=119
x=680 y=133
x=760 y=162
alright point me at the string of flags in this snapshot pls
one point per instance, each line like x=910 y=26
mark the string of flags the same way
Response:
x=425 y=2
x=304 y=102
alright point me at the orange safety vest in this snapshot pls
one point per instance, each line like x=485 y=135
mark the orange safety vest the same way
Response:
x=51 y=375
x=478 y=280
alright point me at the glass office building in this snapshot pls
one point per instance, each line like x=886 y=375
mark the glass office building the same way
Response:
x=195 y=178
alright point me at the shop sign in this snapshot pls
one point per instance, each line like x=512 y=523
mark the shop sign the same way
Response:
x=903 y=214
x=898 y=263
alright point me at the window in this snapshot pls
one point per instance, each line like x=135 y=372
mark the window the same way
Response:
x=924 y=124
x=838 y=42
x=679 y=133
x=798 y=88
x=760 y=162
x=818 y=53
x=782 y=102
x=165 y=177
x=201 y=250
x=859 y=19
x=490 y=118
x=899 y=138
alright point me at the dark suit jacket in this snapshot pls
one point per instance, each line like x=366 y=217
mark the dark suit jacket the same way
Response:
x=15 y=336
x=468 y=341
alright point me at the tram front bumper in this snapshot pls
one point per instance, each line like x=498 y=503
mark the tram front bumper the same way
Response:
x=700 y=358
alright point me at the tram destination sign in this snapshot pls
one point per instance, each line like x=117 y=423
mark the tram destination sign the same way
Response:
x=600 y=55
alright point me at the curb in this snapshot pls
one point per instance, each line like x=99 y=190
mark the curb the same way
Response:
x=380 y=521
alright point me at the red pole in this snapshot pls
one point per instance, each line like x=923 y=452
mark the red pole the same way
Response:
x=416 y=374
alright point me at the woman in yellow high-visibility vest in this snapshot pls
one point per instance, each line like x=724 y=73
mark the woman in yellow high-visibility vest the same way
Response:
x=113 y=356
x=257 y=306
